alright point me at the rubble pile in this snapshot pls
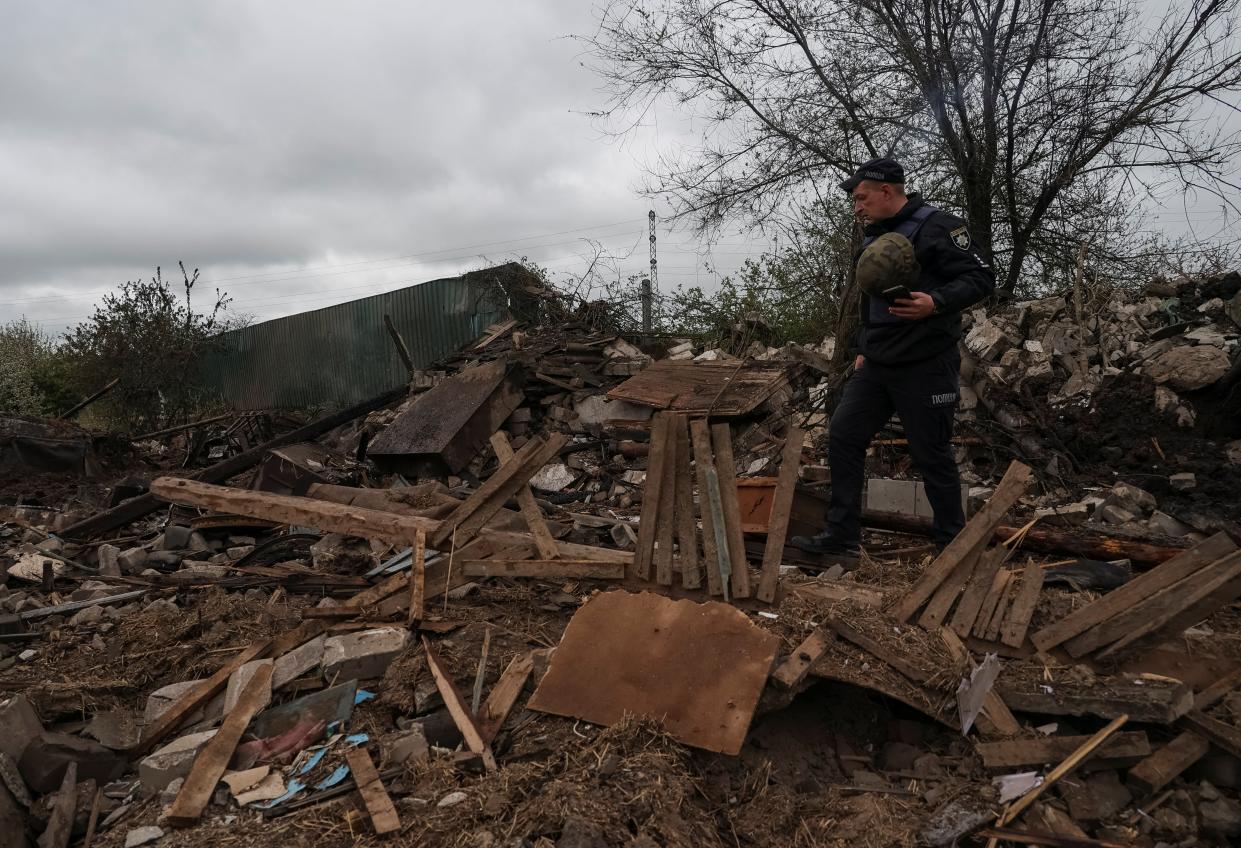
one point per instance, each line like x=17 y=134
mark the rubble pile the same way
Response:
x=540 y=597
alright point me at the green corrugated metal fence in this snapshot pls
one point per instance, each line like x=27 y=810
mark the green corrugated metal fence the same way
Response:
x=342 y=354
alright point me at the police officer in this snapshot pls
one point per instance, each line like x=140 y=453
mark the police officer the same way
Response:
x=917 y=271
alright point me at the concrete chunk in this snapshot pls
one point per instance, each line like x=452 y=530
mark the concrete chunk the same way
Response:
x=174 y=760
x=298 y=662
x=109 y=565
x=19 y=723
x=159 y=701
x=47 y=757
x=132 y=561
x=1183 y=482
x=237 y=684
x=364 y=654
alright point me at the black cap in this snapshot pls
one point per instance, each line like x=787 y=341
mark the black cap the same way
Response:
x=881 y=170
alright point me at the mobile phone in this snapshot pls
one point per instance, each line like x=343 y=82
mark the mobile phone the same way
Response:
x=896 y=293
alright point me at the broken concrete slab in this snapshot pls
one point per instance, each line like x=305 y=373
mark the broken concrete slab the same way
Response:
x=159 y=701
x=364 y=654
x=698 y=668
x=47 y=757
x=19 y=724
x=237 y=684
x=173 y=760
x=115 y=729
x=409 y=747
x=298 y=662
x=143 y=836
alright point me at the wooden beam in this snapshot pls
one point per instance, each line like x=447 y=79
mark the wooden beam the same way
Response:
x=966 y=613
x=401 y=350
x=198 y=696
x=652 y=497
x=781 y=510
x=63 y=808
x=1017 y=621
x=1073 y=761
x=213 y=759
x=831 y=591
x=371 y=788
x=135 y=508
x=996 y=719
x=701 y=437
x=417 y=579
x=476 y=510
x=525 y=500
x=1136 y=590
x=289 y=509
x=726 y=469
x=796 y=666
x=665 y=519
x=687 y=526
x=1223 y=736
x=1122 y=750
x=976 y=534
x=879 y=651
x=503 y=696
x=457 y=708
x=949 y=591
x=1207 y=586
x=557 y=569
x=1161 y=705
x=1162 y=767
x=995 y=596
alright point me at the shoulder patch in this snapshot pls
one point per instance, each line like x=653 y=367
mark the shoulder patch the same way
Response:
x=961 y=238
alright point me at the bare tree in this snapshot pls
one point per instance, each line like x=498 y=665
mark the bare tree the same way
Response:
x=1033 y=119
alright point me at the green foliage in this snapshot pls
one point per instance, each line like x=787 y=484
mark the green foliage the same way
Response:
x=32 y=378
x=795 y=290
x=153 y=341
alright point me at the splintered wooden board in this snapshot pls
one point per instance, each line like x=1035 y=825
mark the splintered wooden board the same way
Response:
x=1123 y=749
x=686 y=386
x=697 y=668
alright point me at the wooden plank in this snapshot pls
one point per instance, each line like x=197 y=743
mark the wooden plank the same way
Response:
x=1143 y=586
x=992 y=633
x=1208 y=606
x=1017 y=621
x=996 y=719
x=665 y=519
x=1051 y=840
x=1122 y=750
x=781 y=510
x=652 y=497
x=1216 y=692
x=1204 y=592
x=503 y=696
x=1223 y=736
x=289 y=509
x=417 y=580
x=558 y=569
x=832 y=591
x=1161 y=705
x=469 y=518
x=976 y=591
x=976 y=534
x=878 y=650
x=1162 y=767
x=213 y=759
x=92 y=823
x=687 y=527
x=949 y=591
x=530 y=511
x=701 y=436
x=999 y=586
x=1086 y=750
x=796 y=666
x=457 y=708
x=63 y=807
x=726 y=470
x=371 y=788
x=197 y=697
x=1155 y=610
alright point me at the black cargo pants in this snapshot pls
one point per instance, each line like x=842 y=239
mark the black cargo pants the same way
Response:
x=924 y=394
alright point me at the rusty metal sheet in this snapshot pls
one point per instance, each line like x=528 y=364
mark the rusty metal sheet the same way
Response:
x=699 y=668
x=686 y=386
x=450 y=424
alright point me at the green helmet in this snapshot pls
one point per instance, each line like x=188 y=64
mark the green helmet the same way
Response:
x=887 y=262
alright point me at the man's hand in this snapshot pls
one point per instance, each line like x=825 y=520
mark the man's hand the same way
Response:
x=857 y=363
x=917 y=306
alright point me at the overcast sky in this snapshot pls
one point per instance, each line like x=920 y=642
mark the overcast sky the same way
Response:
x=304 y=153
x=370 y=144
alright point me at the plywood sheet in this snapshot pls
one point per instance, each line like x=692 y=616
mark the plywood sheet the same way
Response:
x=720 y=389
x=699 y=668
